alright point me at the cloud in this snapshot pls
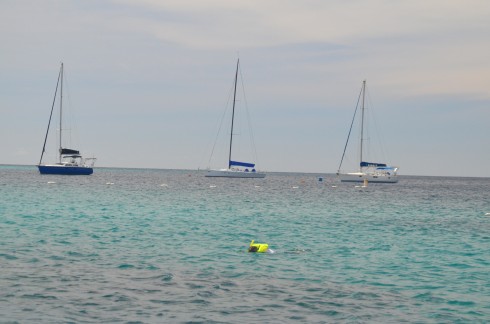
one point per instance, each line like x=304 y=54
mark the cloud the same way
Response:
x=419 y=46
x=259 y=23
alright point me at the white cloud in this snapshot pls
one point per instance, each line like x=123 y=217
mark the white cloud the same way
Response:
x=259 y=23
x=417 y=46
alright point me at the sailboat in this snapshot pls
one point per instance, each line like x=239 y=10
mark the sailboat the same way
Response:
x=70 y=162
x=236 y=169
x=370 y=171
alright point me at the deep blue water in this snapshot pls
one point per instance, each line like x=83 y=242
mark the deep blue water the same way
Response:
x=154 y=246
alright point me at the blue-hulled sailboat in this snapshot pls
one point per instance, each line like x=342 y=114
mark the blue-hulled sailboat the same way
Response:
x=70 y=162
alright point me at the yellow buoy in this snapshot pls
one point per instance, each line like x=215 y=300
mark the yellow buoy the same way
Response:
x=258 y=247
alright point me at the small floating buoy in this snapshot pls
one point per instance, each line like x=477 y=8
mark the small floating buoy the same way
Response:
x=258 y=247
x=320 y=179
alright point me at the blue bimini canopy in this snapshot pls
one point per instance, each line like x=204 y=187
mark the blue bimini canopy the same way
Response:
x=242 y=164
x=372 y=164
x=68 y=151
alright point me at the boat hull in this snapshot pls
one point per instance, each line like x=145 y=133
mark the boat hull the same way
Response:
x=233 y=174
x=371 y=178
x=66 y=170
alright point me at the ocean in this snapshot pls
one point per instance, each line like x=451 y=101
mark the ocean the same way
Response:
x=170 y=246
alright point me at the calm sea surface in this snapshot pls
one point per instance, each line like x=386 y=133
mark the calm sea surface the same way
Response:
x=165 y=246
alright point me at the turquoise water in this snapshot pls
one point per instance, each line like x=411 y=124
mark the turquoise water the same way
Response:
x=153 y=246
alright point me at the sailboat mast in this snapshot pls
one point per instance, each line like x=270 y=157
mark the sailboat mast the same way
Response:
x=61 y=109
x=50 y=116
x=233 y=114
x=362 y=119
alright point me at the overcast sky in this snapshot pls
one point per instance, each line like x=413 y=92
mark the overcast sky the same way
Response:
x=148 y=80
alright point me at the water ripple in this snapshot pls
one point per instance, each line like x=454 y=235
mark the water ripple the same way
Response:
x=132 y=252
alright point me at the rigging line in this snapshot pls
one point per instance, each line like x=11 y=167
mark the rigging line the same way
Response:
x=367 y=121
x=50 y=116
x=61 y=112
x=71 y=125
x=350 y=130
x=220 y=125
x=233 y=114
x=378 y=135
x=249 y=121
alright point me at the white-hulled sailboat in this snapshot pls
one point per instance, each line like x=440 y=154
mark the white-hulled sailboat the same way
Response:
x=370 y=171
x=235 y=169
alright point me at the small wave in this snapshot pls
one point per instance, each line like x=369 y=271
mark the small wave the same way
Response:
x=38 y=296
x=460 y=265
x=461 y=302
x=8 y=256
x=297 y=251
